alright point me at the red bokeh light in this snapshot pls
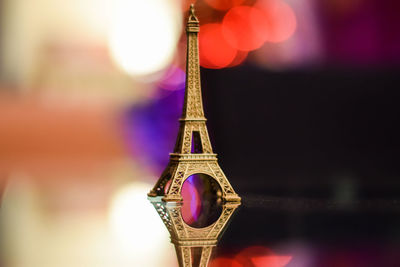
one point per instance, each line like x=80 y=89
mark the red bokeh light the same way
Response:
x=271 y=261
x=242 y=26
x=262 y=257
x=240 y=57
x=225 y=262
x=223 y=4
x=280 y=20
x=215 y=52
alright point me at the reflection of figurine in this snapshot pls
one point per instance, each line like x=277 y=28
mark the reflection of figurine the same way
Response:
x=193 y=245
x=193 y=152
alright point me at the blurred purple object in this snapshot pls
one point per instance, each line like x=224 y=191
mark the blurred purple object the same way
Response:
x=151 y=128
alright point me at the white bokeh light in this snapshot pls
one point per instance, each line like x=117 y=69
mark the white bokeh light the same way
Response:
x=143 y=34
x=137 y=230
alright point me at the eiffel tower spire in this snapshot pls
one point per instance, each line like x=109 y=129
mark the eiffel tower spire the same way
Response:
x=193 y=105
x=193 y=152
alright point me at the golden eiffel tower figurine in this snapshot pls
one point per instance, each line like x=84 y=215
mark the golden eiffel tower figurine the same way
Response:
x=193 y=153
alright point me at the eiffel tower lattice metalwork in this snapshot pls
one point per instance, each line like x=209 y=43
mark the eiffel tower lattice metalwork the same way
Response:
x=193 y=152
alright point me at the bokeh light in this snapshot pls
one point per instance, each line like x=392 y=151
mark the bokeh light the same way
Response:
x=150 y=129
x=239 y=59
x=280 y=20
x=271 y=261
x=143 y=34
x=259 y=256
x=241 y=28
x=173 y=79
x=215 y=52
x=136 y=227
x=223 y=4
x=224 y=262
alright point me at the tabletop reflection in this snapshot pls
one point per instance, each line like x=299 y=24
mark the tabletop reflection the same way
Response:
x=194 y=241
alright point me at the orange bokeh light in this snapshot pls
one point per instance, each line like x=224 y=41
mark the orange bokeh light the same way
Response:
x=280 y=20
x=223 y=4
x=242 y=26
x=259 y=256
x=225 y=262
x=215 y=52
x=271 y=261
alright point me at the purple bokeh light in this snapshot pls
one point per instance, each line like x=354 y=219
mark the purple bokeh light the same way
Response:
x=151 y=129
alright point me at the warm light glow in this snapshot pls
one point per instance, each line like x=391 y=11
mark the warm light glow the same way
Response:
x=224 y=262
x=215 y=52
x=259 y=256
x=135 y=225
x=239 y=59
x=280 y=20
x=223 y=4
x=241 y=25
x=143 y=34
x=185 y=4
x=271 y=261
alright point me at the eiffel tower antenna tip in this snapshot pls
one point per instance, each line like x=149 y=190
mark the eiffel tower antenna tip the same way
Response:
x=192 y=15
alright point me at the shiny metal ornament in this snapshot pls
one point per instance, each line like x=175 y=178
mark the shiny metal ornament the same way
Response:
x=193 y=152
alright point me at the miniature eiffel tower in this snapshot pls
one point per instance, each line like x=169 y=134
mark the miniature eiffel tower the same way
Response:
x=193 y=245
x=193 y=152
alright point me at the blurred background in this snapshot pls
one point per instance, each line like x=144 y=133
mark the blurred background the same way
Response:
x=301 y=98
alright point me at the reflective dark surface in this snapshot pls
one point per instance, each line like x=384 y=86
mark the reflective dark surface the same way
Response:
x=300 y=232
x=314 y=155
x=271 y=231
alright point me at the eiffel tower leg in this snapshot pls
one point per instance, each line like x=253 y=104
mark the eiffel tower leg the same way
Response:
x=159 y=187
x=174 y=190
x=184 y=256
x=228 y=193
x=205 y=256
